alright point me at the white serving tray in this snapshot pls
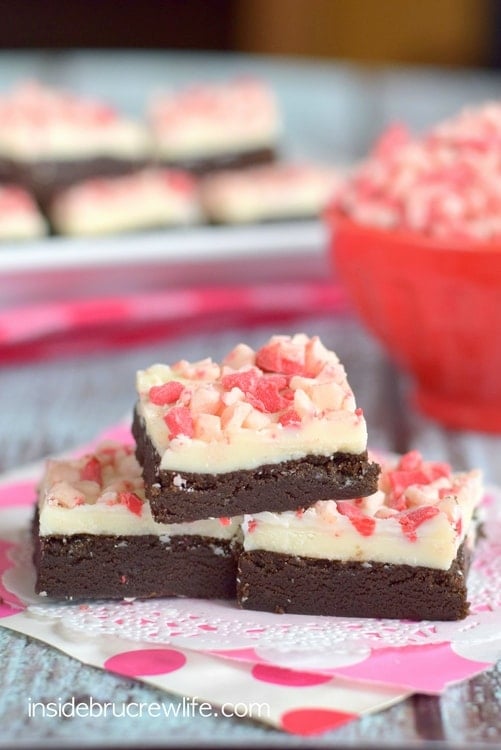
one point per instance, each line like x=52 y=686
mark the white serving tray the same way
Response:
x=61 y=268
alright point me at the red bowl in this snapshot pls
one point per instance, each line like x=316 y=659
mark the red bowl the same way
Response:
x=436 y=306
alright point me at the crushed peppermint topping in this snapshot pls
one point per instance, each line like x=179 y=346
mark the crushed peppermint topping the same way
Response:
x=109 y=476
x=445 y=184
x=411 y=492
x=287 y=383
x=244 y=107
x=37 y=121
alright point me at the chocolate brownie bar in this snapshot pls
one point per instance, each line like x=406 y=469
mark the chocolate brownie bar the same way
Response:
x=402 y=553
x=276 y=192
x=146 y=199
x=51 y=139
x=275 y=429
x=94 y=537
x=215 y=126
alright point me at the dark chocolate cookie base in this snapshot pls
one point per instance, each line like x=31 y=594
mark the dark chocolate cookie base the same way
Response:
x=86 y=566
x=202 y=166
x=272 y=487
x=280 y=583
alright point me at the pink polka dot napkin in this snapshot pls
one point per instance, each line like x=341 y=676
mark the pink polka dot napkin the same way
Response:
x=302 y=674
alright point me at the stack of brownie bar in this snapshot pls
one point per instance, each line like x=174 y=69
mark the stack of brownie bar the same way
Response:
x=252 y=478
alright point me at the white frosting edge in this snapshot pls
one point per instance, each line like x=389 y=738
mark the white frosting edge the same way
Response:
x=117 y=520
x=323 y=533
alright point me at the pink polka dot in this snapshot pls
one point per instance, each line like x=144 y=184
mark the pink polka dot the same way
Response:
x=425 y=669
x=306 y=721
x=19 y=493
x=144 y=662
x=289 y=677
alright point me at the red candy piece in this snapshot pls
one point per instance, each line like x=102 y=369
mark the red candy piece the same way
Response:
x=179 y=422
x=225 y=521
x=251 y=526
x=266 y=397
x=92 y=471
x=365 y=525
x=271 y=359
x=245 y=380
x=290 y=418
x=413 y=518
x=168 y=393
x=400 y=480
x=131 y=501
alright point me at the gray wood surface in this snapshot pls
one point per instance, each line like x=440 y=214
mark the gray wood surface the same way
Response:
x=52 y=406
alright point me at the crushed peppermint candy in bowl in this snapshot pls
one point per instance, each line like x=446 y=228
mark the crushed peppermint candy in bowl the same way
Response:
x=416 y=238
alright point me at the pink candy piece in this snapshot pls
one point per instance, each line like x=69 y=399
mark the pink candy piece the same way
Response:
x=167 y=393
x=92 y=470
x=132 y=502
x=412 y=519
x=365 y=525
x=290 y=418
x=272 y=358
x=179 y=422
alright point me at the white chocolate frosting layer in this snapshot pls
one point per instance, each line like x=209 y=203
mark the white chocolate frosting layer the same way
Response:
x=38 y=123
x=147 y=199
x=419 y=516
x=103 y=493
x=19 y=215
x=289 y=399
x=278 y=191
x=208 y=120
